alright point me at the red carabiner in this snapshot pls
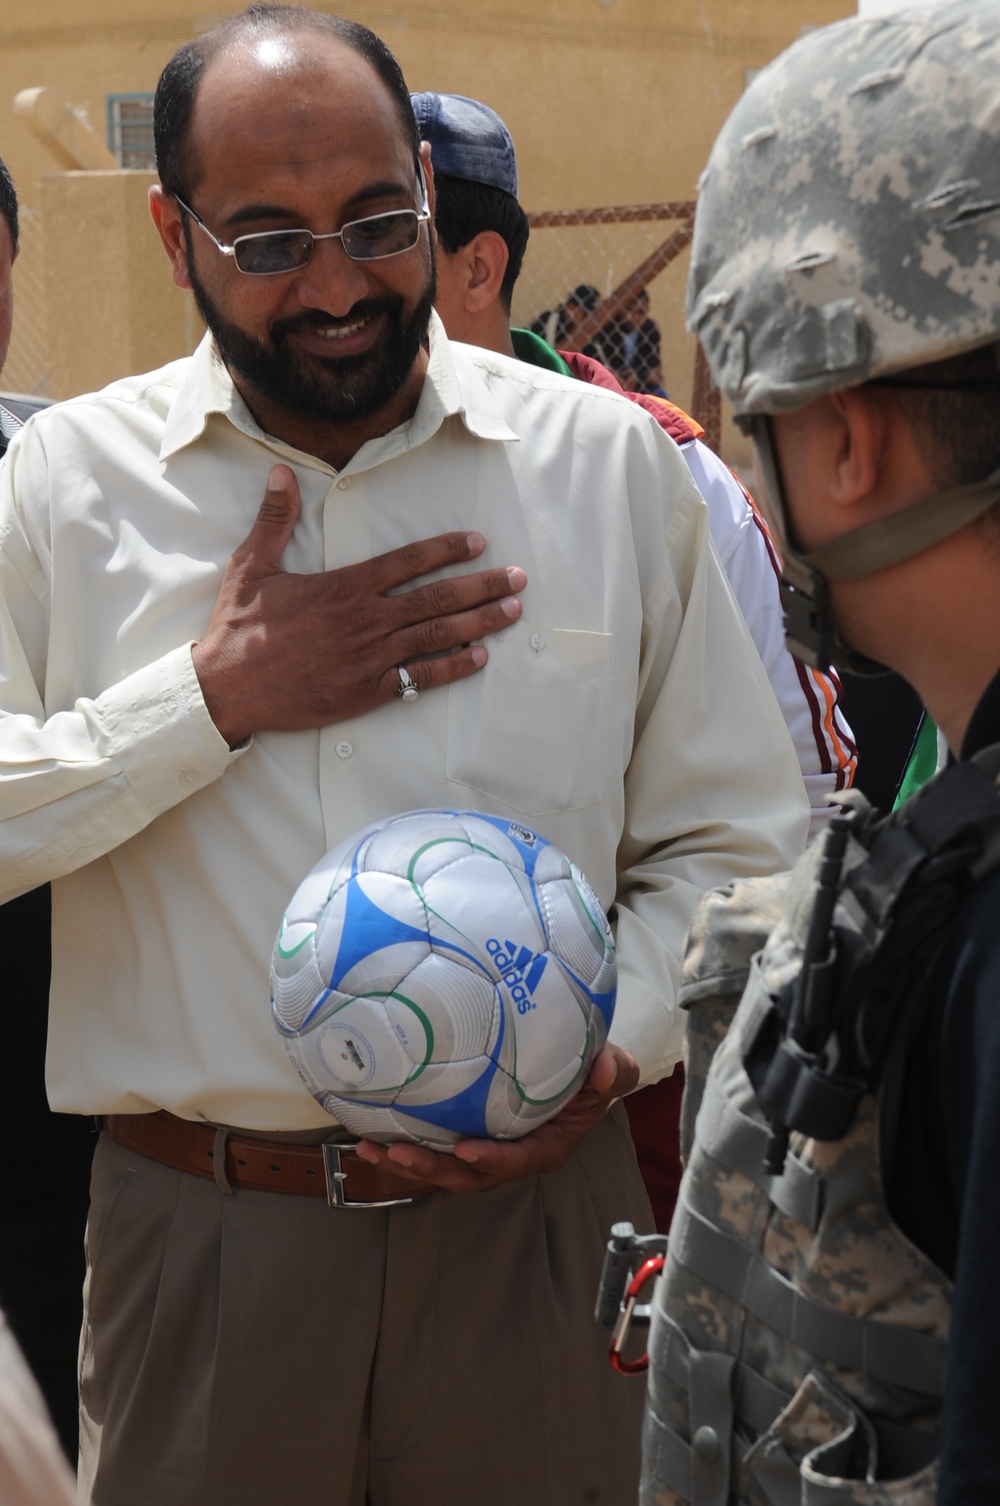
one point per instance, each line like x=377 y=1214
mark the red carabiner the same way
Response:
x=646 y=1272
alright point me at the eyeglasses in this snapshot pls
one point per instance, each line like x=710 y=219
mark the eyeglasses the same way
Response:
x=272 y=252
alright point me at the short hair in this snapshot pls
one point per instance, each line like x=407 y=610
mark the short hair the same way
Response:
x=463 y=210
x=177 y=89
x=8 y=203
x=950 y=407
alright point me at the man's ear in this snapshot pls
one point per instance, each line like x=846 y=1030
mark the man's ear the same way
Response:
x=859 y=450
x=169 y=222
x=485 y=258
x=425 y=162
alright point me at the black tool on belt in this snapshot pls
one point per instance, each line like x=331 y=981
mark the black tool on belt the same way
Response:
x=877 y=928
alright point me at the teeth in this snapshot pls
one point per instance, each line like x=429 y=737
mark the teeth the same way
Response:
x=342 y=332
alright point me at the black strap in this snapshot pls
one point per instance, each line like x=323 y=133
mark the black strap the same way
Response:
x=875 y=959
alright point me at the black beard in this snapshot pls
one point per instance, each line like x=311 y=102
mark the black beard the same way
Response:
x=322 y=389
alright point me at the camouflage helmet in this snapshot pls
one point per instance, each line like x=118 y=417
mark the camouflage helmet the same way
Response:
x=848 y=222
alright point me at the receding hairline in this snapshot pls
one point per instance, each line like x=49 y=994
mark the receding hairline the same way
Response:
x=240 y=36
x=240 y=56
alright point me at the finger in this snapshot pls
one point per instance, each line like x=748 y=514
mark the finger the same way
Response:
x=429 y=674
x=265 y=544
x=418 y=1164
x=455 y=593
x=512 y=1160
x=442 y=635
x=412 y=560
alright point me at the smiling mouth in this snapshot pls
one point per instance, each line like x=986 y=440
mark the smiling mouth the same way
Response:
x=341 y=331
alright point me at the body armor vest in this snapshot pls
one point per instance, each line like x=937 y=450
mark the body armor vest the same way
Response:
x=798 y=1337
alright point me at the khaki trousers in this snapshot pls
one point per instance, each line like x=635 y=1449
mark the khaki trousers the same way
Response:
x=263 y=1349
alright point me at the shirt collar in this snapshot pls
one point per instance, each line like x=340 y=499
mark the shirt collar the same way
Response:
x=449 y=390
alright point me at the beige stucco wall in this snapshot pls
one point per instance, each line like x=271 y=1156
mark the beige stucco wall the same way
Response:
x=608 y=103
x=111 y=306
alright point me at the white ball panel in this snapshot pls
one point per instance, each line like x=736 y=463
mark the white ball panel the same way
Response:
x=551 y=864
x=357 y=1050
x=296 y=984
x=560 y=1085
x=573 y=931
x=551 y=1025
x=461 y=1008
x=429 y=839
x=481 y=900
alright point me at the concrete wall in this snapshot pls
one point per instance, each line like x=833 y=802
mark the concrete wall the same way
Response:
x=609 y=102
x=111 y=304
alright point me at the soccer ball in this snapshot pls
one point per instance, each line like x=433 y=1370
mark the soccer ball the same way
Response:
x=443 y=974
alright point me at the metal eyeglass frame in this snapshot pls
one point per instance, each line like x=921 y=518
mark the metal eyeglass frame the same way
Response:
x=421 y=217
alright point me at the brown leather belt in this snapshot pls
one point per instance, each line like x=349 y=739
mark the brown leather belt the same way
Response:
x=328 y=1170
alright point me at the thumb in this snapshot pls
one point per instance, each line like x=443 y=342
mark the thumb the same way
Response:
x=613 y=1073
x=265 y=543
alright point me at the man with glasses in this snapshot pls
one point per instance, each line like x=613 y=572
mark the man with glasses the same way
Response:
x=193 y=720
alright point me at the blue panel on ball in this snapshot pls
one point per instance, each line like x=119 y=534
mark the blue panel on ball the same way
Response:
x=529 y=845
x=606 y=1004
x=367 y=929
x=465 y=1114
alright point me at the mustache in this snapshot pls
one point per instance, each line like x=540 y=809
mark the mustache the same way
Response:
x=367 y=308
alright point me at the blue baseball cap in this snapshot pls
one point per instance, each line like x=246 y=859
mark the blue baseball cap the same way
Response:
x=468 y=140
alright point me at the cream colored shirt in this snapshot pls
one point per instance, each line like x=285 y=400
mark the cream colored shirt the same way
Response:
x=626 y=716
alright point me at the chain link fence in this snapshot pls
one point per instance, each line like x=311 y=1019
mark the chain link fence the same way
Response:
x=582 y=285
x=614 y=253
x=27 y=366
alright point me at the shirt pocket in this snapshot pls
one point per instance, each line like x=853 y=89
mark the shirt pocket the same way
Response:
x=532 y=730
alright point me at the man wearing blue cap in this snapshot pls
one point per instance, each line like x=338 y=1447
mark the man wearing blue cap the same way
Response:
x=482 y=236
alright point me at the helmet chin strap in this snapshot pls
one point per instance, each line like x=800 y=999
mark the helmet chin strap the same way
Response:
x=810 y=627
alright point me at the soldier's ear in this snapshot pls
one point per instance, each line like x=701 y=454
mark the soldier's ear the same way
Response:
x=863 y=456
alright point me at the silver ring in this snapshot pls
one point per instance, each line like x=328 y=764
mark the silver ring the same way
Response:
x=407 y=690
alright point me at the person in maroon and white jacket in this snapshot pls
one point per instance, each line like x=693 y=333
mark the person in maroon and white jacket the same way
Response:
x=482 y=233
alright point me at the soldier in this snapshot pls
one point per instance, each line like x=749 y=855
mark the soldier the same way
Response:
x=839 y=1222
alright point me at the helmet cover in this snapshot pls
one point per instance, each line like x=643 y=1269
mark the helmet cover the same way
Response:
x=848 y=223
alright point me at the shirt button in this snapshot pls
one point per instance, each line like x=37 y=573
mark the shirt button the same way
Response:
x=344 y=483
x=537 y=642
x=186 y=777
x=344 y=749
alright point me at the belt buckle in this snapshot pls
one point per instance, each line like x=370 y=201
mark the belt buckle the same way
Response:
x=336 y=1176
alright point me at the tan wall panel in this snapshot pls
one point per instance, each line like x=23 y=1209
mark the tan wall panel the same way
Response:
x=112 y=308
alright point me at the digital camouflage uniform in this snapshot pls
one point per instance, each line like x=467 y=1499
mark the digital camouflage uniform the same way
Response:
x=848 y=231
x=798 y=1337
